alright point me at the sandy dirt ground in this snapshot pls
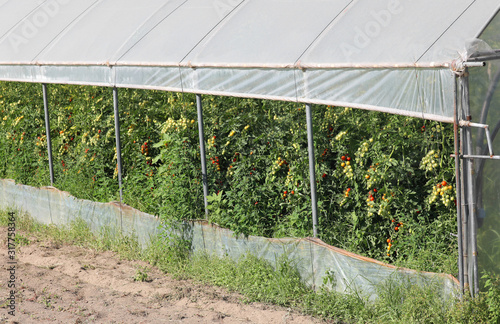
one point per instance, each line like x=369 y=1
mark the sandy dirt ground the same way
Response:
x=67 y=284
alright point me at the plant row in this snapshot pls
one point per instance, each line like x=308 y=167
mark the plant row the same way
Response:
x=385 y=183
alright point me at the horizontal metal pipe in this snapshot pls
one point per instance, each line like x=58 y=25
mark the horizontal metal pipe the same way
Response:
x=382 y=65
x=494 y=157
x=474 y=64
x=301 y=66
x=484 y=56
x=465 y=123
x=483 y=157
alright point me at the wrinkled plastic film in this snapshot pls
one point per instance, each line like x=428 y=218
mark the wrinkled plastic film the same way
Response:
x=314 y=259
x=422 y=93
x=485 y=103
x=484 y=83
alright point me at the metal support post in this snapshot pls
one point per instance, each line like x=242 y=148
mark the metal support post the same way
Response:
x=463 y=193
x=465 y=222
x=470 y=189
x=47 y=131
x=459 y=196
x=118 y=147
x=201 y=132
x=312 y=173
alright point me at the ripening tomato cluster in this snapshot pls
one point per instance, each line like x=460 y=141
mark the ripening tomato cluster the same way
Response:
x=281 y=162
x=285 y=193
x=236 y=156
x=346 y=166
x=389 y=246
x=329 y=131
x=444 y=191
x=398 y=225
x=145 y=148
x=371 y=169
x=216 y=162
x=370 y=195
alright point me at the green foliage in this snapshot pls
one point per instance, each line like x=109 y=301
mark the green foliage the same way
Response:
x=112 y=239
x=141 y=274
x=21 y=240
x=491 y=295
x=257 y=279
x=380 y=178
x=169 y=250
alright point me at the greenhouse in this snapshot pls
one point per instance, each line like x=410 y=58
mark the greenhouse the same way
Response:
x=434 y=60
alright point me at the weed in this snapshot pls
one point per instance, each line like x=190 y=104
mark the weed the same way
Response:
x=87 y=267
x=491 y=296
x=141 y=274
x=21 y=240
x=46 y=301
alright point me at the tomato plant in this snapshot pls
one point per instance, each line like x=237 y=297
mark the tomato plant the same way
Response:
x=378 y=176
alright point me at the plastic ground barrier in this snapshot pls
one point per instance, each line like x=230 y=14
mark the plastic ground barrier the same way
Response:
x=313 y=258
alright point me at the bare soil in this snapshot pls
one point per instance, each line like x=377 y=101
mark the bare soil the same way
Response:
x=67 y=284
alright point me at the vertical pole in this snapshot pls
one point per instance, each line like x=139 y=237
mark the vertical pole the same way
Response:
x=463 y=192
x=47 y=131
x=470 y=190
x=312 y=173
x=201 y=132
x=459 y=196
x=464 y=212
x=118 y=147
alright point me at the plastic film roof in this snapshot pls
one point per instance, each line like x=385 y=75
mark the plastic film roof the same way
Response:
x=386 y=55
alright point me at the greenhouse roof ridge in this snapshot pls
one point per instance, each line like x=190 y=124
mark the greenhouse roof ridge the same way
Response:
x=391 y=54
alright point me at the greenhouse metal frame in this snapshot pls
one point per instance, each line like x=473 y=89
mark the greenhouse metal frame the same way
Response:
x=401 y=57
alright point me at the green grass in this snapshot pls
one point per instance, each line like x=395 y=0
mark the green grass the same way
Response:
x=76 y=233
x=279 y=283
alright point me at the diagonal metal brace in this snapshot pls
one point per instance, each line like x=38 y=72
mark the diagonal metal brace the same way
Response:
x=465 y=123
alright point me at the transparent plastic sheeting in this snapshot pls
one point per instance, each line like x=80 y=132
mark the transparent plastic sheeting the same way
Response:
x=484 y=86
x=376 y=55
x=421 y=93
x=313 y=258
